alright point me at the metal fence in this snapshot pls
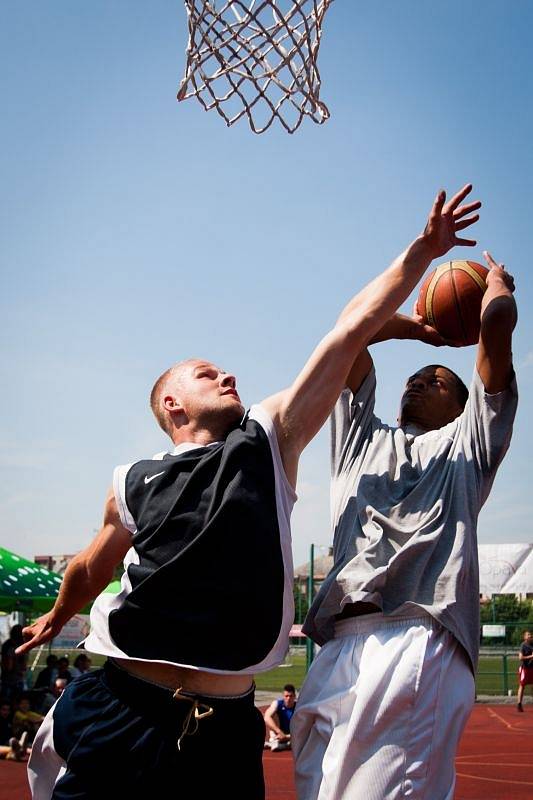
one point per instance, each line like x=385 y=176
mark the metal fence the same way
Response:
x=497 y=673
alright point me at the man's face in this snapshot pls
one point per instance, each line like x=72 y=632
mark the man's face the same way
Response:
x=430 y=399
x=528 y=637
x=207 y=394
x=5 y=710
x=289 y=699
x=24 y=705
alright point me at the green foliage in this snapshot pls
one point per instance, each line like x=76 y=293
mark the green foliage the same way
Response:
x=506 y=609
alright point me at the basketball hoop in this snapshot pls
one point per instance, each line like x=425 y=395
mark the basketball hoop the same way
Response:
x=256 y=57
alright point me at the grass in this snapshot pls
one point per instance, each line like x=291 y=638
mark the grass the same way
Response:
x=292 y=671
x=489 y=679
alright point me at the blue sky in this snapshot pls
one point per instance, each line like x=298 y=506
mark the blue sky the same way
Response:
x=137 y=231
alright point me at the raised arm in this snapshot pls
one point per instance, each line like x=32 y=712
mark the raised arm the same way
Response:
x=498 y=320
x=399 y=326
x=85 y=577
x=301 y=410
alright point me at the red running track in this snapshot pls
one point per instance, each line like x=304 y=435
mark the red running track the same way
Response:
x=494 y=762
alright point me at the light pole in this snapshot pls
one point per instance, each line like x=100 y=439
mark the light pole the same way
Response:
x=309 y=644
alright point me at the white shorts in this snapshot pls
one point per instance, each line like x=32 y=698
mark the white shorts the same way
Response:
x=381 y=712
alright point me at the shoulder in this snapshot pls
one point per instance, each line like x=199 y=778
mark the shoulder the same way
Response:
x=478 y=394
x=261 y=415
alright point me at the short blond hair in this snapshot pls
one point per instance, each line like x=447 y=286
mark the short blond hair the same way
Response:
x=157 y=391
x=155 y=400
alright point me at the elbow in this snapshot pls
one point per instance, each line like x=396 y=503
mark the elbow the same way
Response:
x=357 y=331
x=499 y=316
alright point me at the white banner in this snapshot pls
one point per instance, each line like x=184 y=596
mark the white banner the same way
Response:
x=499 y=564
x=494 y=631
x=74 y=631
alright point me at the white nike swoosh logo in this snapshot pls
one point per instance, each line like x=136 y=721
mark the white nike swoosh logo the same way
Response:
x=148 y=479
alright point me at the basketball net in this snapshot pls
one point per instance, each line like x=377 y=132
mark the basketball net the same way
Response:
x=256 y=57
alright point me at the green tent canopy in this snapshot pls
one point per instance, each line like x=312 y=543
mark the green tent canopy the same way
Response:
x=26 y=586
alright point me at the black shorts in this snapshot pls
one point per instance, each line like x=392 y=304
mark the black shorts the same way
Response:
x=118 y=735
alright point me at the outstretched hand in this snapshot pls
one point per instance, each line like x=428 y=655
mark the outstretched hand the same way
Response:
x=446 y=219
x=39 y=632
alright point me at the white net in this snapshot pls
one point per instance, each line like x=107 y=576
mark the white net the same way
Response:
x=256 y=58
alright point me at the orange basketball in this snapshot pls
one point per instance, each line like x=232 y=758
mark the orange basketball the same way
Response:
x=450 y=300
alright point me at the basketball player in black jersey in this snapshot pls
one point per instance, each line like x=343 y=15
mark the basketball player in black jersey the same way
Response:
x=188 y=630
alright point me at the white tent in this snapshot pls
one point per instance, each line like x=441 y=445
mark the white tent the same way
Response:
x=522 y=581
x=505 y=569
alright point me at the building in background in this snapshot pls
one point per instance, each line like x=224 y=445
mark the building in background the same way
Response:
x=57 y=564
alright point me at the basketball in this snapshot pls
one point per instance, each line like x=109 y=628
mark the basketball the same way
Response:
x=450 y=300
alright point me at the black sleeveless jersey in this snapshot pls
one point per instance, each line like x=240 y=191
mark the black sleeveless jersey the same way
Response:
x=208 y=579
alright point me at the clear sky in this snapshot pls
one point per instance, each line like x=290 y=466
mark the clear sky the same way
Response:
x=136 y=231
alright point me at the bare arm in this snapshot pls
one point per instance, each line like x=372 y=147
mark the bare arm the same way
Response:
x=301 y=410
x=399 y=326
x=272 y=720
x=522 y=657
x=498 y=320
x=85 y=577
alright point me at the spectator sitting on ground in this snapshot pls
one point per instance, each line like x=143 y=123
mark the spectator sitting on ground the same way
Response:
x=10 y=748
x=278 y=717
x=26 y=720
x=14 y=751
x=46 y=677
x=82 y=664
x=6 y=722
x=13 y=674
x=63 y=669
x=52 y=695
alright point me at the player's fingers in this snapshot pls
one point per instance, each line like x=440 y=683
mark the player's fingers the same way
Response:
x=509 y=280
x=489 y=259
x=33 y=642
x=466 y=209
x=431 y=336
x=438 y=204
x=464 y=223
x=465 y=242
x=459 y=197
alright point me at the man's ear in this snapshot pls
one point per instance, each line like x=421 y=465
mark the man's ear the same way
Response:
x=172 y=404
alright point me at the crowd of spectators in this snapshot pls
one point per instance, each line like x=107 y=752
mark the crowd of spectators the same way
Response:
x=24 y=706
